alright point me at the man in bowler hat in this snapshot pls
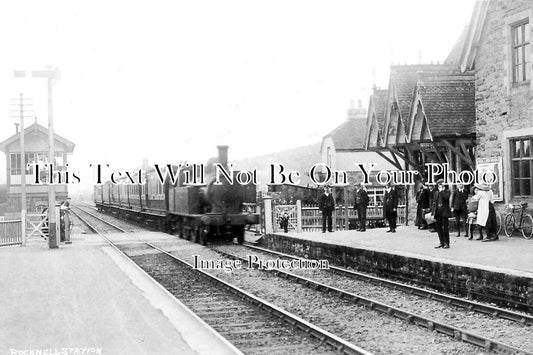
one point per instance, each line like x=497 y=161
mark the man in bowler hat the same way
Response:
x=361 y=204
x=327 y=205
x=441 y=212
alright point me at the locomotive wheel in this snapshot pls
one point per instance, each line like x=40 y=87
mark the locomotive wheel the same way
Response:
x=203 y=233
x=196 y=234
x=238 y=231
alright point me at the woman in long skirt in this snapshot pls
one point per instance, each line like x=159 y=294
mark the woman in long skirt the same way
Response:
x=486 y=215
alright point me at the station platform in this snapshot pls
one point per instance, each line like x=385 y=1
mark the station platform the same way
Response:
x=86 y=298
x=509 y=255
x=500 y=272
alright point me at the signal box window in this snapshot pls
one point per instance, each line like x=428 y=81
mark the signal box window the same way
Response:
x=15 y=164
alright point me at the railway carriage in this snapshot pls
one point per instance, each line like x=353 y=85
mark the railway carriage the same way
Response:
x=200 y=213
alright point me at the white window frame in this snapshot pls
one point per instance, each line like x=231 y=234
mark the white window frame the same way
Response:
x=510 y=22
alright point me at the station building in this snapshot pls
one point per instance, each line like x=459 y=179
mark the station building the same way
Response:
x=473 y=111
x=498 y=49
x=36 y=151
x=426 y=115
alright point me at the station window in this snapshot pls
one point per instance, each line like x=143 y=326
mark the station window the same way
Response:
x=520 y=51
x=522 y=166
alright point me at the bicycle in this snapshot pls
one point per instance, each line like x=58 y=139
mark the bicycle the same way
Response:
x=525 y=224
x=499 y=223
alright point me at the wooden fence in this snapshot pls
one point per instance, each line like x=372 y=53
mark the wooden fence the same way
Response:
x=10 y=232
x=11 y=228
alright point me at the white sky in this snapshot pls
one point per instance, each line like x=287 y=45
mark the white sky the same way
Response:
x=168 y=80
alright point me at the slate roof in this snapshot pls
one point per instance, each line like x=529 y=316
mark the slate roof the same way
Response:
x=404 y=79
x=380 y=99
x=447 y=96
x=449 y=103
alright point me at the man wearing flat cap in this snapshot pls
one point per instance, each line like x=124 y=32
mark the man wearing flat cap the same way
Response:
x=441 y=212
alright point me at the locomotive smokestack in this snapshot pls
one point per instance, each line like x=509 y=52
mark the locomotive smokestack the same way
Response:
x=223 y=155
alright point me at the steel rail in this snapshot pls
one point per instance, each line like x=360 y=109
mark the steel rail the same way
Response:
x=408 y=317
x=414 y=290
x=98 y=218
x=198 y=319
x=324 y=336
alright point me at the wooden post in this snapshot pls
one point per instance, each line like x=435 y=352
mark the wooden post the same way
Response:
x=298 y=216
x=346 y=213
x=66 y=220
x=57 y=223
x=268 y=215
x=334 y=217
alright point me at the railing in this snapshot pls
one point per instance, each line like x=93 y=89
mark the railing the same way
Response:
x=311 y=217
x=279 y=211
x=10 y=232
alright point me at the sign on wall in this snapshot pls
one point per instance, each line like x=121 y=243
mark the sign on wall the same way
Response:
x=493 y=164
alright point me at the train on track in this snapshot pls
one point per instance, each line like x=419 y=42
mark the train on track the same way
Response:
x=200 y=212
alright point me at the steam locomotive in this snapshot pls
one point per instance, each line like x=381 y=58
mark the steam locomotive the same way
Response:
x=200 y=212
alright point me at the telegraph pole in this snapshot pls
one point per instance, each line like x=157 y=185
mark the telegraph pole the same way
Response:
x=20 y=131
x=22 y=173
x=50 y=75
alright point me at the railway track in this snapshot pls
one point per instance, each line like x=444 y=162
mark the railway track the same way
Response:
x=453 y=322
x=100 y=223
x=253 y=325
x=470 y=305
x=151 y=259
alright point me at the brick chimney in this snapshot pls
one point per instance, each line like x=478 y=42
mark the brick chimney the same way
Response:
x=356 y=113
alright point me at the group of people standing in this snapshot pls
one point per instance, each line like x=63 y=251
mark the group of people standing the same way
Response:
x=435 y=207
x=361 y=201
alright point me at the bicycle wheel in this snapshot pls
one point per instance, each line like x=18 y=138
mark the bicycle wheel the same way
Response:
x=509 y=225
x=498 y=223
x=527 y=226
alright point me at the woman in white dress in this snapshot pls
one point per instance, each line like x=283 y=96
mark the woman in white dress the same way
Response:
x=486 y=214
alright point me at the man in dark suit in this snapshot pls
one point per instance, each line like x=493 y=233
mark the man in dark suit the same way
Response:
x=361 y=203
x=390 y=204
x=327 y=205
x=459 y=208
x=422 y=200
x=432 y=198
x=441 y=212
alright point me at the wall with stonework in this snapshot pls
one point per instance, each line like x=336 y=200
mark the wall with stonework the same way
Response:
x=500 y=106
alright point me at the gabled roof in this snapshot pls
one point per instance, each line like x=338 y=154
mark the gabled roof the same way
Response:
x=439 y=97
x=36 y=128
x=402 y=86
x=473 y=35
x=377 y=108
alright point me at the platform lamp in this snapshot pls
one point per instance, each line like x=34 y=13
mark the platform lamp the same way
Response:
x=50 y=75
